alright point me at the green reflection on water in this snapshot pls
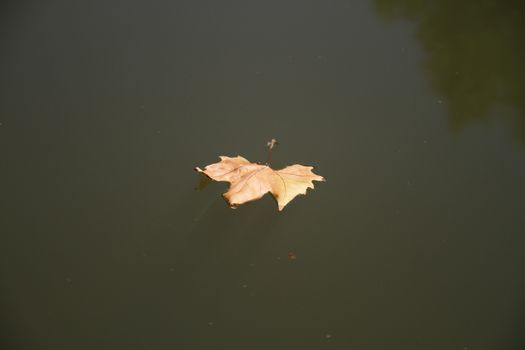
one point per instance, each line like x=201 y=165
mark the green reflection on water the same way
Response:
x=474 y=54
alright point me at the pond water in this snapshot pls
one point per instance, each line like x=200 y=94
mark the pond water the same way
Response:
x=414 y=111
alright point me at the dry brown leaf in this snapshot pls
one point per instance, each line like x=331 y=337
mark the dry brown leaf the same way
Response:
x=250 y=181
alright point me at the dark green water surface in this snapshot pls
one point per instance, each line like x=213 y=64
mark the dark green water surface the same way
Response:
x=413 y=110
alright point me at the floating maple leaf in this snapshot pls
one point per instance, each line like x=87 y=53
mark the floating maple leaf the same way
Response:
x=250 y=181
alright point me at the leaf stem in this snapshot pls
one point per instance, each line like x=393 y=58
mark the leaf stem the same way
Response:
x=271 y=144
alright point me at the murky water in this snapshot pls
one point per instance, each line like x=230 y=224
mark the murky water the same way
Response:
x=414 y=111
